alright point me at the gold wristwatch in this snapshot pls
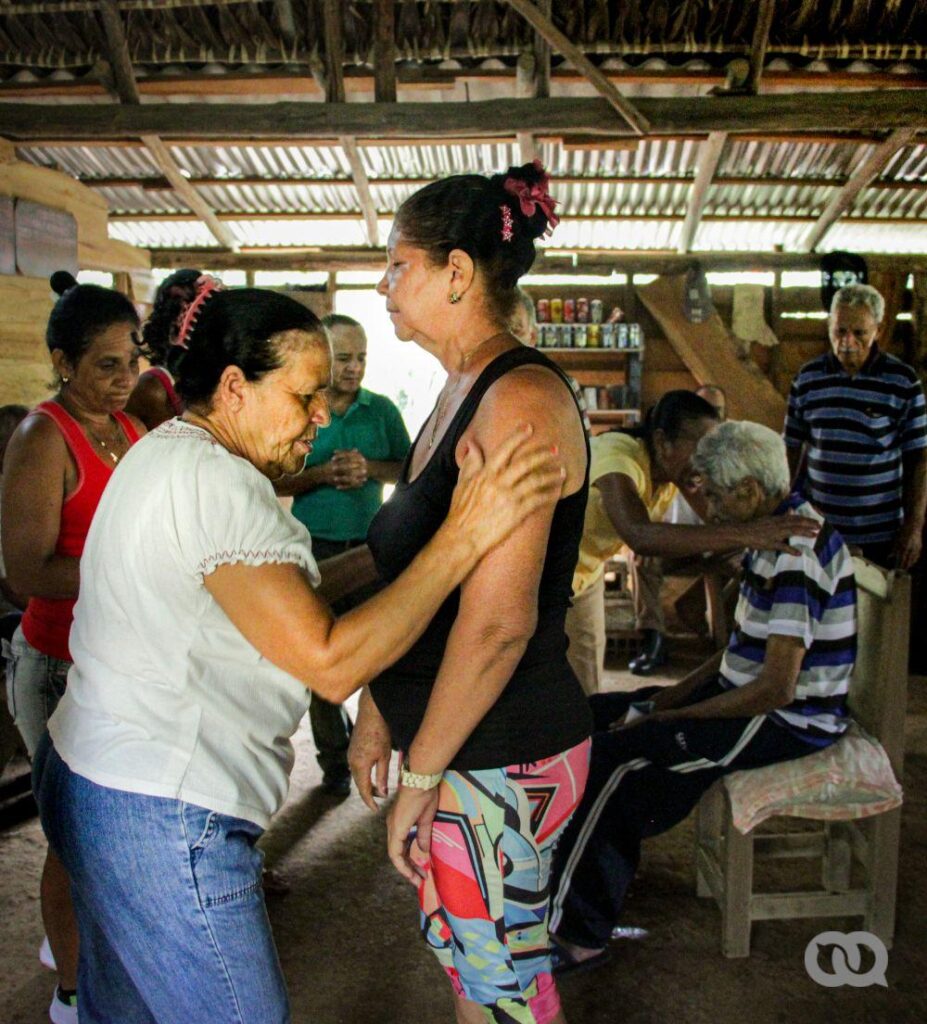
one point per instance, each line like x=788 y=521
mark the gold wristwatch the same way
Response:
x=412 y=780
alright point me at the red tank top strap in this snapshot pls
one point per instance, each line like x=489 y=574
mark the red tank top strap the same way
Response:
x=163 y=377
x=76 y=439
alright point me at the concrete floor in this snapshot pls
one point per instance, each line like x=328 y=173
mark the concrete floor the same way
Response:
x=348 y=941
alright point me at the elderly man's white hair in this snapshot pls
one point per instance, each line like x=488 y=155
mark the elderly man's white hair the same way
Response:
x=860 y=295
x=738 y=449
x=527 y=304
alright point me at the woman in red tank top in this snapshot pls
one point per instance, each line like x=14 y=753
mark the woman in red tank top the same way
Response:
x=56 y=466
x=154 y=399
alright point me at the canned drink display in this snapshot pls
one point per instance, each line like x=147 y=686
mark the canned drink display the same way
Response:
x=542 y=310
x=556 y=311
x=582 y=310
x=608 y=335
x=594 y=335
x=635 y=336
x=596 y=310
x=579 y=336
x=569 y=311
x=621 y=335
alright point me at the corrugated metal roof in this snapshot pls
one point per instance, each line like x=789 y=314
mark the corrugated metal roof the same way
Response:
x=605 y=195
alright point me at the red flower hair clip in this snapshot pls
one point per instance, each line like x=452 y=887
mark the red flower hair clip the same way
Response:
x=530 y=197
x=205 y=286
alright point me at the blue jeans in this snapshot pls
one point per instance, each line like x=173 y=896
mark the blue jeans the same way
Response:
x=35 y=682
x=170 y=909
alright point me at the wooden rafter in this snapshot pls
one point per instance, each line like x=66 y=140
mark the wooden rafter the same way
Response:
x=545 y=27
x=542 y=55
x=118 y=52
x=870 y=169
x=837 y=113
x=384 y=51
x=169 y=168
x=764 y=17
x=362 y=185
x=709 y=156
x=127 y=88
x=334 y=51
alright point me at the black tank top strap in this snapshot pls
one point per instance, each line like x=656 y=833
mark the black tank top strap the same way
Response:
x=509 y=360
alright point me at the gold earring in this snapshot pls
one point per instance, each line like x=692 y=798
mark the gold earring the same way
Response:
x=453 y=298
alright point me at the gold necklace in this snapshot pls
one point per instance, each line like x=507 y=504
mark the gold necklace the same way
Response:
x=106 y=448
x=442 y=398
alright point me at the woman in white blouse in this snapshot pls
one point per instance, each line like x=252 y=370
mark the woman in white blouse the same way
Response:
x=196 y=639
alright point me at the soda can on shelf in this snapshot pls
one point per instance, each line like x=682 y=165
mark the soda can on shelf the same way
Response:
x=596 y=310
x=556 y=311
x=579 y=336
x=594 y=335
x=621 y=335
x=563 y=336
x=542 y=336
x=542 y=311
x=608 y=335
x=582 y=310
x=635 y=336
x=569 y=311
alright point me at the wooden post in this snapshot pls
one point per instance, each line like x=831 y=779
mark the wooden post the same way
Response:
x=764 y=17
x=709 y=156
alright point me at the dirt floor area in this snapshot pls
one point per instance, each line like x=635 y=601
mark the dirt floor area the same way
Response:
x=347 y=936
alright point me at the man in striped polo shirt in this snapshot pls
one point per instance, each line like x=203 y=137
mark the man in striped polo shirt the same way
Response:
x=859 y=416
x=776 y=693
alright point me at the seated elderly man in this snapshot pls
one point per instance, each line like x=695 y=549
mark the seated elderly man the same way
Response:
x=777 y=692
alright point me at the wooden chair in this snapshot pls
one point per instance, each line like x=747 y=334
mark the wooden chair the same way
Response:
x=877 y=700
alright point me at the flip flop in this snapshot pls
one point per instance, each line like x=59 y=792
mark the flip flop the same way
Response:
x=563 y=962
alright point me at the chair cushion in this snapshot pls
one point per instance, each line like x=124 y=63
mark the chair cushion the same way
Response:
x=851 y=778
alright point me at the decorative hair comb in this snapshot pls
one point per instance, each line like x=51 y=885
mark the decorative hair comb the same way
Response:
x=530 y=197
x=205 y=285
x=508 y=225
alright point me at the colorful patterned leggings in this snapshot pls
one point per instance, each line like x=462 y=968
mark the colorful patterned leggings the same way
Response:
x=485 y=895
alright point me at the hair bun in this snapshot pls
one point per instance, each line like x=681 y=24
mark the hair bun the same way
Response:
x=62 y=281
x=526 y=191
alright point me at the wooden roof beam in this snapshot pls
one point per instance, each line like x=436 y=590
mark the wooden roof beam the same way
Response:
x=304 y=123
x=577 y=262
x=868 y=171
x=127 y=88
x=764 y=17
x=545 y=27
x=362 y=186
x=333 y=31
x=384 y=51
x=117 y=49
x=709 y=156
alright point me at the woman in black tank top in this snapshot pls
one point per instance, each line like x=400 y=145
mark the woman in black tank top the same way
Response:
x=491 y=720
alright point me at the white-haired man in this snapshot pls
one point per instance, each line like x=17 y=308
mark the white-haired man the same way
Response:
x=776 y=693
x=858 y=415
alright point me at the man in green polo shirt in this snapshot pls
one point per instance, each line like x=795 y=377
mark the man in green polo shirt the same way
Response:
x=338 y=494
